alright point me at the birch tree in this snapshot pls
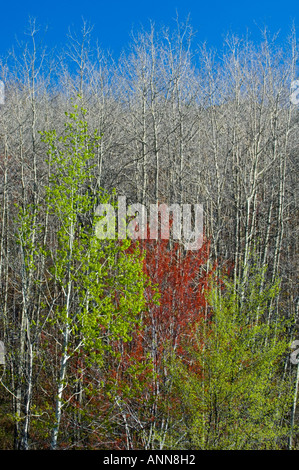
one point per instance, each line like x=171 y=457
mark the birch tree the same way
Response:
x=101 y=285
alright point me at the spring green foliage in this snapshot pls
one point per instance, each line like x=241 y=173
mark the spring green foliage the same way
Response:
x=101 y=282
x=108 y=280
x=232 y=394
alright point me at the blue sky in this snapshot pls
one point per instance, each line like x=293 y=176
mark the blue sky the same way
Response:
x=114 y=19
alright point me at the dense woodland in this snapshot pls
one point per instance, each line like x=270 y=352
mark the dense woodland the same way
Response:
x=140 y=344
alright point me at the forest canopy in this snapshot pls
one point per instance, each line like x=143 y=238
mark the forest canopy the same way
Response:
x=143 y=344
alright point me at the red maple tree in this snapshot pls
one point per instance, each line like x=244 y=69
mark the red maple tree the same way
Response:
x=139 y=375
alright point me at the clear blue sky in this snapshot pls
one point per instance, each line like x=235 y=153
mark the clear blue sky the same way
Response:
x=114 y=19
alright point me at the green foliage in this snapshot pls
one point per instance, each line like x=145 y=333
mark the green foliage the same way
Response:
x=231 y=392
x=108 y=281
x=101 y=282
